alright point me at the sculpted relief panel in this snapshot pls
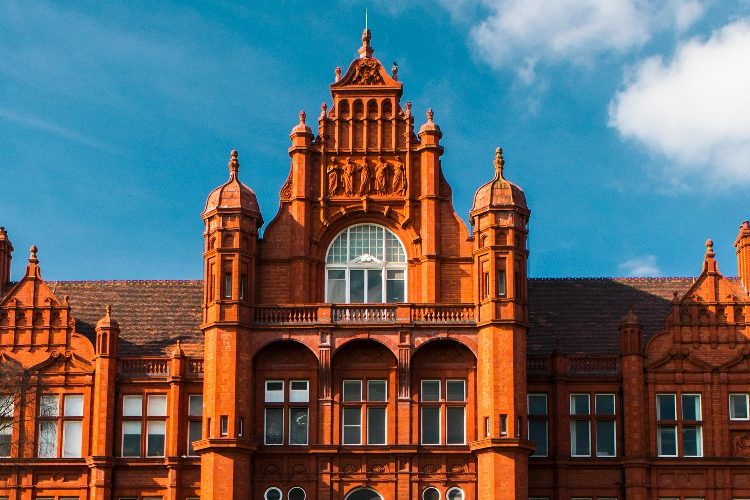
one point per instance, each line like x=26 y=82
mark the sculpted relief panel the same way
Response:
x=350 y=178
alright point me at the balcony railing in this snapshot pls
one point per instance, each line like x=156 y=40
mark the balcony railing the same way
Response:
x=365 y=313
x=144 y=367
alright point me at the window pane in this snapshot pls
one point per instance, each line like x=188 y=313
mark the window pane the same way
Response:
x=336 y=285
x=49 y=405
x=538 y=434
x=394 y=252
x=73 y=405
x=194 y=434
x=195 y=406
x=155 y=438
x=375 y=425
x=376 y=390
x=579 y=404
x=132 y=406
x=430 y=425
x=605 y=404
x=537 y=404
x=337 y=252
x=296 y=493
x=157 y=406
x=580 y=438
x=298 y=391
x=667 y=441
x=500 y=283
x=738 y=406
x=691 y=407
x=274 y=425
x=6 y=406
x=273 y=494
x=605 y=438
x=455 y=494
x=356 y=285
x=430 y=390
x=352 y=420
x=298 y=426
x=394 y=288
x=47 y=439
x=692 y=444
x=455 y=422
x=131 y=439
x=274 y=391
x=455 y=390
x=374 y=286
x=352 y=390
x=72 y=439
x=665 y=407
x=6 y=428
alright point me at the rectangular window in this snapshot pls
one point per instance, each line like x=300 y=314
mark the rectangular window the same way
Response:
x=580 y=425
x=227 y=285
x=336 y=285
x=356 y=286
x=605 y=427
x=500 y=283
x=376 y=425
x=274 y=391
x=6 y=424
x=243 y=286
x=224 y=425
x=666 y=430
x=274 y=426
x=195 y=424
x=352 y=425
x=49 y=412
x=352 y=390
x=377 y=390
x=683 y=431
x=455 y=390
x=131 y=438
x=485 y=285
x=394 y=288
x=72 y=425
x=537 y=411
x=155 y=438
x=738 y=407
x=374 y=285
x=667 y=440
x=430 y=390
x=456 y=425
x=692 y=436
x=430 y=425
x=298 y=426
x=299 y=391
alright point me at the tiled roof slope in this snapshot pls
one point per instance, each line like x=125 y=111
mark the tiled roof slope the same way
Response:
x=152 y=315
x=578 y=315
x=582 y=315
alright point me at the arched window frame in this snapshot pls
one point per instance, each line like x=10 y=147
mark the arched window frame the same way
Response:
x=351 y=494
x=366 y=263
x=274 y=489
x=455 y=490
x=430 y=489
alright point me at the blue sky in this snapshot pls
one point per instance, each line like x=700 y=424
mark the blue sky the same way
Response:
x=626 y=121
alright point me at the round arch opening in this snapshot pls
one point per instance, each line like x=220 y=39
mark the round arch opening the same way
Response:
x=365 y=263
x=363 y=494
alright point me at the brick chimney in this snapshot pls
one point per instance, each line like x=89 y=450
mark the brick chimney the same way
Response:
x=742 y=244
x=6 y=249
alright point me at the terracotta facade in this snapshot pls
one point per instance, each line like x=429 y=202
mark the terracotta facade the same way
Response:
x=368 y=345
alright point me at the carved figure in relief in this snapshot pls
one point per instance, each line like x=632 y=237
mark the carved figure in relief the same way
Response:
x=364 y=178
x=349 y=168
x=334 y=170
x=741 y=445
x=399 y=179
x=366 y=73
x=381 y=176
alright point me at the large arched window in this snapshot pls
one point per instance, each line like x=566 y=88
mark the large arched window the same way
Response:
x=366 y=263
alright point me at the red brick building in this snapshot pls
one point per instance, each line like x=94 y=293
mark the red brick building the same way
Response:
x=368 y=346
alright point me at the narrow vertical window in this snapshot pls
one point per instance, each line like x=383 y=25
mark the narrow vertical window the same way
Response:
x=6 y=424
x=224 y=425
x=243 y=286
x=666 y=429
x=352 y=425
x=503 y=424
x=49 y=411
x=537 y=411
x=195 y=414
x=240 y=427
x=156 y=426
x=298 y=426
x=500 y=287
x=132 y=411
x=227 y=285
x=605 y=425
x=580 y=425
x=487 y=427
x=692 y=430
x=274 y=426
x=485 y=285
x=72 y=425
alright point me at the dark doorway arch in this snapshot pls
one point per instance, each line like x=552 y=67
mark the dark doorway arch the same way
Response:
x=363 y=494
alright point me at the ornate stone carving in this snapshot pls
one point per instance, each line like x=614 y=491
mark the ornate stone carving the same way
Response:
x=399 y=178
x=349 y=168
x=381 y=176
x=362 y=178
x=365 y=178
x=286 y=189
x=367 y=72
x=334 y=175
x=431 y=469
x=741 y=445
x=377 y=468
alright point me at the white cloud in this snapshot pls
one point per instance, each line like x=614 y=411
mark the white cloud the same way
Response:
x=641 y=266
x=516 y=33
x=694 y=110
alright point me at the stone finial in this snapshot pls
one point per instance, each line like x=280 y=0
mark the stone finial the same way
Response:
x=430 y=115
x=106 y=321
x=338 y=73
x=710 y=249
x=32 y=255
x=394 y=70
x=408 y=109
x=302 y=117
x=323 y=111
x=234 y=163
x=630 y=319
x=366 y=49
x=499 y=161
x=108 y=310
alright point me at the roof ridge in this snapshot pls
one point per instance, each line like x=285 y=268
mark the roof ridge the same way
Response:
x=627 y=278
x=176 y=281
